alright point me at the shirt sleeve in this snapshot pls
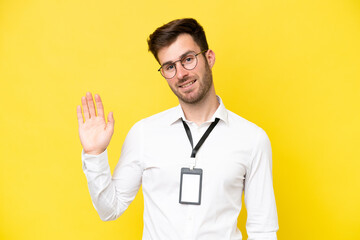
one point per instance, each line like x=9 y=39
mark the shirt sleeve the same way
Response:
x=262 y=220
x=111 y=195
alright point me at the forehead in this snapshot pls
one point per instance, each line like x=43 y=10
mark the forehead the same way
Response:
x=183 y=43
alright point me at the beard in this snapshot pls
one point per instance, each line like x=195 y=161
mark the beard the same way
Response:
x=204 y=86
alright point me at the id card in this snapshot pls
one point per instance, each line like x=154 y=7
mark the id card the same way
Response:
x=190 y=186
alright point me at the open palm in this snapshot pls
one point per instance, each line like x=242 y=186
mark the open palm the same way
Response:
x=95 y=134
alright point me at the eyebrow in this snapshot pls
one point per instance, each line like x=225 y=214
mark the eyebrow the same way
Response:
x=182 y=55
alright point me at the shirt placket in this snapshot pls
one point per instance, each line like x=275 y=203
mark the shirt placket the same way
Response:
x=189 y=225
x=189 y=234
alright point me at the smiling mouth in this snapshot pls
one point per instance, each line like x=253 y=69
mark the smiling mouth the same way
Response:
x=188 y=84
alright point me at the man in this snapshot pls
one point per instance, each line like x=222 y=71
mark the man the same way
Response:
x=193 y=161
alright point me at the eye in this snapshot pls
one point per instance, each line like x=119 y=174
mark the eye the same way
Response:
x=169 y=67
x=188 y=59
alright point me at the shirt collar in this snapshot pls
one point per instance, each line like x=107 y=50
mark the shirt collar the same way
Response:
x=220 y=113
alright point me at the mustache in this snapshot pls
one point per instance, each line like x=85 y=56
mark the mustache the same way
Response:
x=184 y=79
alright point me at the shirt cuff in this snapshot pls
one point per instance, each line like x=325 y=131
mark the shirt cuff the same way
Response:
x=95 y=163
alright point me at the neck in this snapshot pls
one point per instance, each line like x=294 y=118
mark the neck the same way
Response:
x=201 y=111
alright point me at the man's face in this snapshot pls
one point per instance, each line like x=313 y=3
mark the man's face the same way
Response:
x=190 y=86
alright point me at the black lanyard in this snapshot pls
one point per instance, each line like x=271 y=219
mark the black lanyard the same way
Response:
x=203 y=138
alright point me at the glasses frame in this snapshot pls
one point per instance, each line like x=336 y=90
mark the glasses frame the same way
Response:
x=196 y=54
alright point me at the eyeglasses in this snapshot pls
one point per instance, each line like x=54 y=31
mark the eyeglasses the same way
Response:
x=189 y=62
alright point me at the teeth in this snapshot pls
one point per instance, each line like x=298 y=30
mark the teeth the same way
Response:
x=190 y=83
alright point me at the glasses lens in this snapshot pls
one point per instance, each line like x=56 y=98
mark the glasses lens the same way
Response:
x=189 y=61
x=168 y=70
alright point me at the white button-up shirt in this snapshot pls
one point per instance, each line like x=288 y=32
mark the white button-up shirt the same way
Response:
x=235 y=158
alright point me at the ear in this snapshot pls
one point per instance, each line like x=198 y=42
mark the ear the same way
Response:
x=210 y=57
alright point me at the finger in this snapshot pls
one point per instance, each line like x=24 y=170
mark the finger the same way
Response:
x=90 y=104
x=99 y=106
x=79 y=115
x=85 y=108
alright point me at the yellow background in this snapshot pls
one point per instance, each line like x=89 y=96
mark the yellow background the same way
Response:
x=292 y=67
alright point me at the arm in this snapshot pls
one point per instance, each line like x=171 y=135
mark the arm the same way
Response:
x=110 y=197
x=262 y=221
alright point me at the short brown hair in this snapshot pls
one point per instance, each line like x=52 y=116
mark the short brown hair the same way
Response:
x=167 y=34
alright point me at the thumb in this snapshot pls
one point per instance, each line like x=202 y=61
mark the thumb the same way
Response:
x=111 y=122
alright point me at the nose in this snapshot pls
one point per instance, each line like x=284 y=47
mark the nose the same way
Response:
x=181 y=72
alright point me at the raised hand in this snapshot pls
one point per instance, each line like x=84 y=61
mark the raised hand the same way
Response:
x=95 y=134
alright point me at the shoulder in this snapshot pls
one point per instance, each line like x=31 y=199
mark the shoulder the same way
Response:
x=150 y=126
x=239 y=123
x=249 y=130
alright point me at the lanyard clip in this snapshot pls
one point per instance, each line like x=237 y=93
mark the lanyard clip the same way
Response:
x=192 y=163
